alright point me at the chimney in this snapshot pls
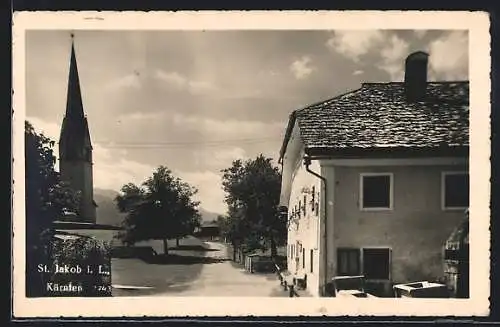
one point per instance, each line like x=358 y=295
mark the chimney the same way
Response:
x=416 y=76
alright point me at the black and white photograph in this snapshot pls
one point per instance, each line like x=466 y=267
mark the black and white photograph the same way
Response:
x=266 y=162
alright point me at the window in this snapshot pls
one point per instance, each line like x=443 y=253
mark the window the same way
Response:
x=376 y=263
x=348 y=262
x=455 y=190
x=376 y=191
x=311 y=259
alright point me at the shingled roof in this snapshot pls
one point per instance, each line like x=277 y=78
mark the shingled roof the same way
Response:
x=378 y=116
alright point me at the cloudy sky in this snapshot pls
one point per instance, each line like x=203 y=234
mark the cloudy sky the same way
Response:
x=195 y=101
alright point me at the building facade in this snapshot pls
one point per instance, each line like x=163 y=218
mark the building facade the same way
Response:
x=376 y=180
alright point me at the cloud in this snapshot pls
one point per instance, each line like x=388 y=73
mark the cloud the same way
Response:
x=141 y=116
x=182 y=82
x=227 y=128
x=201 y=87
x=358 y=72
x=48 y=129
x=229 y=154
x=302 y=68
x=172 y=78
x=209 y=185
x=392 y=57
x=354 y=44
x=448 y=57
x=387 y=47
x=128 y=81
x=109 y=171
x=219 y=157
x=112 y=173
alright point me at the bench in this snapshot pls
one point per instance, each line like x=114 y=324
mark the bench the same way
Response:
x=281 y=273
x=301 y=281
x=287 y=280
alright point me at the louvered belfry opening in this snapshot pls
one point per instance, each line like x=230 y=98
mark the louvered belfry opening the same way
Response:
x=415 y=82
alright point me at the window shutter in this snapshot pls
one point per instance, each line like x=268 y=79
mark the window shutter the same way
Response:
x=313 y=194
x=311 y=259
x=304 y=205
x=348 y=262
x=303 y=258
x=377 y=263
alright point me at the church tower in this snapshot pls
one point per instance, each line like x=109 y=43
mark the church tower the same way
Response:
x=75 y=147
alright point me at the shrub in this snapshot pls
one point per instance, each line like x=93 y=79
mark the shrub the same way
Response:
x=79 y=266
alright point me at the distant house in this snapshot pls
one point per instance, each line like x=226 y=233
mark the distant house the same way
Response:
x=376 y=180
x=208 y=230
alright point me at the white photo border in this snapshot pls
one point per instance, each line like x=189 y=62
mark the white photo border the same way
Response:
x=477 y=23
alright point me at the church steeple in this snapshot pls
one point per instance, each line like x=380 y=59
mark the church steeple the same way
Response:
x=74 y=142
x=75 y=147
x=74 y=105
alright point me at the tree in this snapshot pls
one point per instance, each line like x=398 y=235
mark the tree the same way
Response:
x=131 y=200
x=47 y=198
x=162 y=208
x=222 y=223
x=252 y=194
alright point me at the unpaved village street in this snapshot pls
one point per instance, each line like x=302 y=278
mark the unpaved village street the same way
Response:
x=206 y=273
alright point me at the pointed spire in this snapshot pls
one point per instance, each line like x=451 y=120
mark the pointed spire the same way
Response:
x=74 y=106
x=74 y=139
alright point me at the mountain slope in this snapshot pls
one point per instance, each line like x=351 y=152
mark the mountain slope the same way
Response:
x=108 y=213
x=207 y=216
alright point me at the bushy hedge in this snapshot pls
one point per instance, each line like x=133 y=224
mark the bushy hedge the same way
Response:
x=78 y=267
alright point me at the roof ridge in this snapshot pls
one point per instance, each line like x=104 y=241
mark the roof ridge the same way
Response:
x=449 y=82
x=373 y=83
x=428 y=82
